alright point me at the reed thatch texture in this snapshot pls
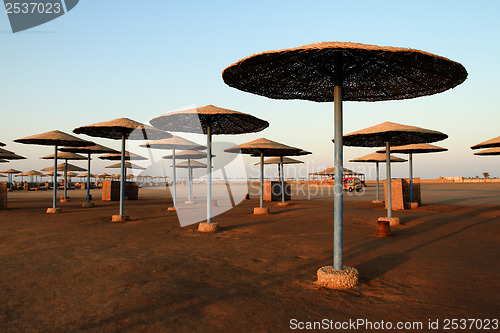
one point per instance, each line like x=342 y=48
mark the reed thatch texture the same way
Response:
x=187 y=154
x=367 y=72
x=95 y=149
x=54 y=138
x=377 y=157
x=489 y=151
x=395 y=134
x=115 y=129
x=492 y=143
x=220 y=120
x=64 y=155
x=265 y=147
x=62 y=167
x=118 y=156
x=419 y=148
x=128 y=165
x=175 y=142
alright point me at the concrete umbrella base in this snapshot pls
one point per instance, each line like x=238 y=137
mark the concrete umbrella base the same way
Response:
x=383 y=228
x=120 y=218
x=261 y=211
x=208 y=227
x=392 y=221
x=188 y=202
x=377 y=202
x=413 y=205
x=338 y=279
x=54 y=210
x=64 y=200
x=282 y=204
x=88 y=205
x=172 y=209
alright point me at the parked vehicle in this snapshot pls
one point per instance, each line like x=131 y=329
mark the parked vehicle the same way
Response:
x=352 y=183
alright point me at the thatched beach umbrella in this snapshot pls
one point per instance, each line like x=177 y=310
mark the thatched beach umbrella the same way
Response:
x=263 y=147
x=56 y=139
x=175 y=142
x=9 y=155
x=30 y=173
x=489 y=152
x=192 y=165
x=2 y=144
x=189 y=155
x=94 y=149
x=65 y=166
x=122 y=129
x=419 y=148
x=391 y=134
x=281 y=161
x=66 y=156
x=377 y=158
x=492 y=143
x=3 y=161
x=10 y=172
x=127 y=165
x=209 y=120
x=117 y=156
x=326 y=72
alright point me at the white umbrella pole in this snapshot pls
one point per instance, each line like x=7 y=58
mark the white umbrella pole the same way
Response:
x=282 y=180
x=411 y=177
x=261 y=180
x=175 y=178
x=209 y=174
x=377 y=180
x=88 y=179
x=338 y=192
x=122 y=179
x=388 y=168
x=190 y=179
x=54 y=203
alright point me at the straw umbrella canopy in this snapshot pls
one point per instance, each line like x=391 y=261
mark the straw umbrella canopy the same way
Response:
x=189 y=155
x=66 y=156
x=65 y=166
x=122 y=129
x=419 y=148
x=280 y=166
x=173 y=143
x=128 y=157
x=377 y=158
x=128 y=165
x=10 y=172
x=391 y=134
x=264 y=147
x=9 y=155
x=209 y=120
x=336 y=71
x=492 y=143
x=30 y=173
x=94 y=149
x=3 y=161
x=489 y=152
x=2 y=144
x=56 y=139
x=194 y=165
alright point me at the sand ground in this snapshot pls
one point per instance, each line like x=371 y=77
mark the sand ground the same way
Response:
x=77 y=271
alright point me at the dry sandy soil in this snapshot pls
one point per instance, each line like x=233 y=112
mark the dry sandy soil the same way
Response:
x=77 y=271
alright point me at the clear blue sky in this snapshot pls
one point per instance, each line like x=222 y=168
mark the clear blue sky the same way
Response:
x=139 y=59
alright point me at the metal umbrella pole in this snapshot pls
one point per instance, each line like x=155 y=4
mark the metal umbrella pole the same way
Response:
x=122 y=179
x=209 y=174
x=261 y=180
x=190 y=179
x=88 y=179
x=378 y=199
x=411 y=177
x=54 y=203
x=388 y=180
x=65 y=179
x=175 y=178
x=338 y=185
x=282 y=180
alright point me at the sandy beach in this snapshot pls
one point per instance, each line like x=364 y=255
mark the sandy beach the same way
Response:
x=78 y=271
